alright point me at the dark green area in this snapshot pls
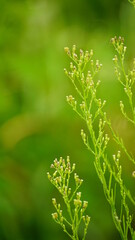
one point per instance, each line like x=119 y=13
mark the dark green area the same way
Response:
x=37 y=125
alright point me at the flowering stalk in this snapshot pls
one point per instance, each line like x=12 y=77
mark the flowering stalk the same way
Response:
x=72 y=199
x=127 y=80
x=91 y=110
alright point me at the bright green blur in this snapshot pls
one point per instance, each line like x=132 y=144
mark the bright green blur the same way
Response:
x=36 y=123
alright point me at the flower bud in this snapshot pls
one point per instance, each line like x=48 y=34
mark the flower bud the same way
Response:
x=54 y=201
x=55 y=216
x=85 y=204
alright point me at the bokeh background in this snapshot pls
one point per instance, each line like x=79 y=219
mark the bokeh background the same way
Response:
x=36 y=123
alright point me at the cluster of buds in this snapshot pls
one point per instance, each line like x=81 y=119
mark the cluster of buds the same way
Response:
x=74 y=54
x=100 y=104
x=60 y=179
x=79 y=204
x=117 y=72
x=88 y=55
x=89 y=80
x=89 y=119
x=83 y=57
x=101 y=131
x=127 y=89
x=67 y=50
x=124 y=113
x=102 y=139
x=118 y=44
x=76 y=73
x=73 y=69
x=71 y=101
x=83 y=135
x=106 y=139
x=101 y=124
x=90 y=84
x=83 y=106
x=98 y=66
x=86 y=219
x=116 y=159
x=57 y=216
x=80 y=207
x=115 y=59
x=127 y=80
x=78 y=181
x=77 y=201
x=62 y=171
x=71 y=74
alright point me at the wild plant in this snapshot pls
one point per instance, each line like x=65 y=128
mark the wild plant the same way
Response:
x=91 y=110
x=61 y=178
x=83 y=74
x=127 y=80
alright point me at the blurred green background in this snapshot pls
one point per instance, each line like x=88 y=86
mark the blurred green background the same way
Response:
x=36 y=123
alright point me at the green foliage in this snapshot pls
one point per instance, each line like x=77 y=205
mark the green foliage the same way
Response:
x=91 y=110
x=34 y=121
x=72 y=199
x=89 y=107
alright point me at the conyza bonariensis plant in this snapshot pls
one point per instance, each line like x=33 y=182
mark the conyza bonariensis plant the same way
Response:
x=91 y=110
x=61 y=178
x=83 y=75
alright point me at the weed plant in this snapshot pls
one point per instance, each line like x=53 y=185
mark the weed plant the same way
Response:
x=83 y=75
x=75 y=206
